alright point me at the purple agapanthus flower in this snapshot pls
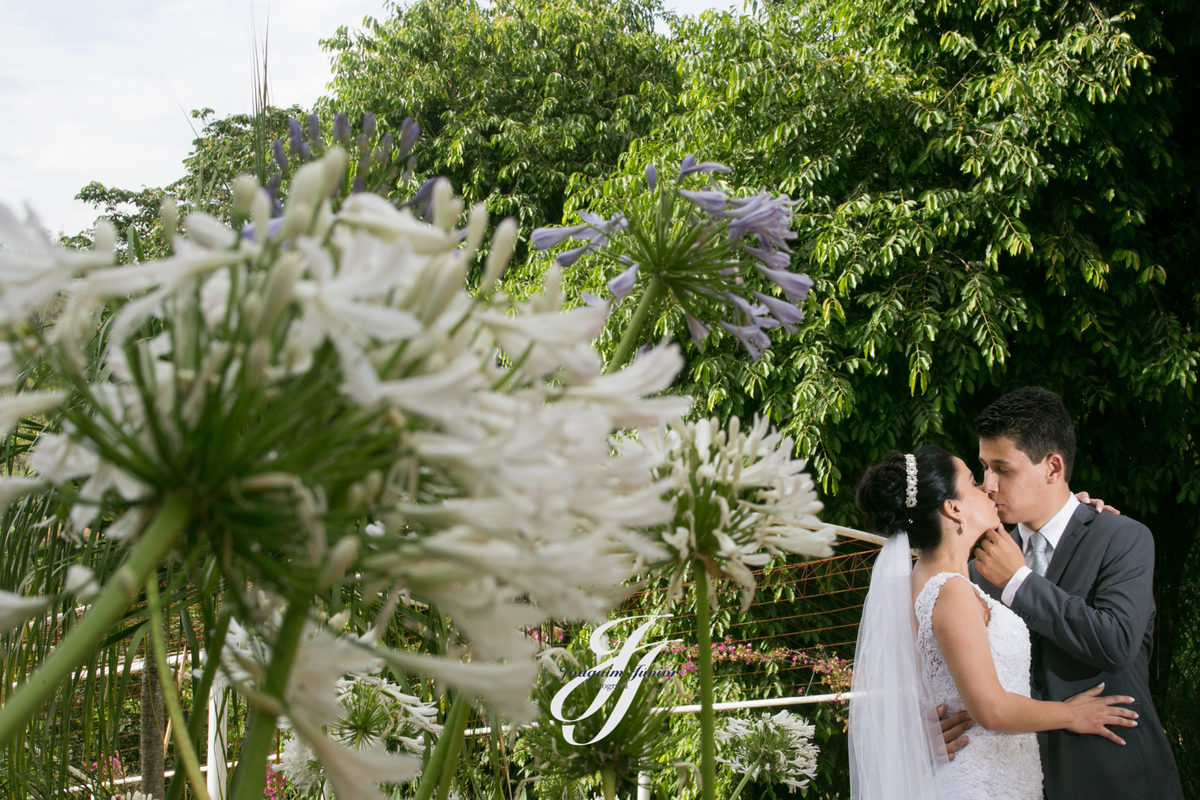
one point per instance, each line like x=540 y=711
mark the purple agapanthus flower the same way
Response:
x=545 y=238
x=368 y=125
x=595 y=231
x=776 y=259
x=696 y=328
x=341 y=129
x=689 y=165
x=765 y=216
x=753 y=338
x=410 y=131
x=623 y=284
x=755 y=315
x=711 y=200
x=314 y=131
x=568 y=258
x=787 y=314
x=295 y=139
x=280 y=156
x=651 y=176
x=793 y=284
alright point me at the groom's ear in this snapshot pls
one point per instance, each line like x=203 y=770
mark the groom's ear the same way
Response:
x=1056 y=470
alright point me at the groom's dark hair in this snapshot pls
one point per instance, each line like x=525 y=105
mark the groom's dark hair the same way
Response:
x=1037 y=422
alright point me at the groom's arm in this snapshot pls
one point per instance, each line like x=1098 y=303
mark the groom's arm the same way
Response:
x=1106 y=632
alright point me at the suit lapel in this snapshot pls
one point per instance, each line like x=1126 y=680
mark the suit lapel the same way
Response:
x=1069 y=542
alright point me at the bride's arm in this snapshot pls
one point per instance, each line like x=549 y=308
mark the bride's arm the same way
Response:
x=961 y=631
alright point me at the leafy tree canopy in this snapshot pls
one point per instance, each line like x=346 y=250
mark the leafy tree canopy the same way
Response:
x=517 y=101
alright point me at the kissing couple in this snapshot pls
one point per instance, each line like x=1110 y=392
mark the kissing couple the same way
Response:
x=1040 y=646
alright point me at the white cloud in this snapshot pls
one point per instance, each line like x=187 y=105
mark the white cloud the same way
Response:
x=102 y=89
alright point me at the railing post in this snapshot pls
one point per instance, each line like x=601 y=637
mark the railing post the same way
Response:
x=217 y=751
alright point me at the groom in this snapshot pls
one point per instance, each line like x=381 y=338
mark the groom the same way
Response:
x=1082 y=583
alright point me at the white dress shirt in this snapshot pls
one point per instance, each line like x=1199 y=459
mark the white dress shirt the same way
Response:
x=1053 y=531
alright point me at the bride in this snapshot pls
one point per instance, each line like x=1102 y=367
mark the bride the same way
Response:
x=930 y=637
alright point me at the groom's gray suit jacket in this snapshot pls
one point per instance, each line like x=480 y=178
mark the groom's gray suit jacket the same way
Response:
x=1091 y=619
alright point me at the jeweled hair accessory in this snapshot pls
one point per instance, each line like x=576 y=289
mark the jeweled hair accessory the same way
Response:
x=910 y=470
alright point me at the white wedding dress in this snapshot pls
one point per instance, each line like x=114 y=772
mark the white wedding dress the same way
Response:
x=993 y=765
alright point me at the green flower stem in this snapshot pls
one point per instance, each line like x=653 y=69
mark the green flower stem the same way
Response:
x=708 y=769
x=609 y=779
x=454 y=748
x=250 y=776
x=442 y=761
x=114 y=599
x=741 y=785
x=633 y=333
x=191 y=763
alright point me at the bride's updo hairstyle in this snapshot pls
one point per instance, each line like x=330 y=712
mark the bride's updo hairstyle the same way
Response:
x=883 y=490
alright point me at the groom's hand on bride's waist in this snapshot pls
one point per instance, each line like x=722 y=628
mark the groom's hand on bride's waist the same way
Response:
x=954 y=729
x=998 y=557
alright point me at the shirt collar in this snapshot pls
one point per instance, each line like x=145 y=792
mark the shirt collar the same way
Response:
x=1054 y=529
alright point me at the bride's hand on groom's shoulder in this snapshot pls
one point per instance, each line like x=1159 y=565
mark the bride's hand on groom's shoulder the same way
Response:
x=1096 y=503
x=997 y=557
x=1093 y=713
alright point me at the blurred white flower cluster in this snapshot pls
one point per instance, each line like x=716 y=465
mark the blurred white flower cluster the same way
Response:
x=777 y=749
x=739 y=498
x=290 y=380
x=350 y=727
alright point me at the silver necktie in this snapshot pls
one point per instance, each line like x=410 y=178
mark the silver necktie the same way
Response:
x=1038 y=554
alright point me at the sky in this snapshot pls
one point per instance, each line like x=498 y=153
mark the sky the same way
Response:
x=102 y=90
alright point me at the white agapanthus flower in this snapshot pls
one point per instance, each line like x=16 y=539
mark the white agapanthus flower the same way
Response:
x=280 y=391
x=775 y=748
x=740 y=498
x=313 y=710
x=16 y=608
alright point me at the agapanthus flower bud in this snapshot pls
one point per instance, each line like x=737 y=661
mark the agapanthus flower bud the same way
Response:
x=503 y=244
x=104 y=237
x=295 y=138
x=168 y=213
x=446 y=207
x=280 y=156
x=260 y=212
x=689 y=166
x=341 y=129
x=314 y=134
x=368 y=125
x=339 y=559
x=651 y=176
x=245 y=188
x=410 y=131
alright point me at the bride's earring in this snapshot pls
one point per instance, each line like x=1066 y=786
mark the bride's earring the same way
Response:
x=960 y=528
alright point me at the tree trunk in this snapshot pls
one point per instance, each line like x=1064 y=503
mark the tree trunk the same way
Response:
x=153 y=727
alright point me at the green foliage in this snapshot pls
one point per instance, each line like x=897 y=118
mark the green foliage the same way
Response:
x=990 y=195
x=227 y=147
x=517 y=100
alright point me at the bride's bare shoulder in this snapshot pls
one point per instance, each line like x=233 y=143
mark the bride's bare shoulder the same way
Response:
x=958 y=601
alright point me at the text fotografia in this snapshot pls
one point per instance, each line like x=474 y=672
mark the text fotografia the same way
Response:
x=638 y=672
x=616 y=666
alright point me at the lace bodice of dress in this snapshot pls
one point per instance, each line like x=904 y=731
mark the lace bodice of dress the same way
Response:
x=993 y=765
